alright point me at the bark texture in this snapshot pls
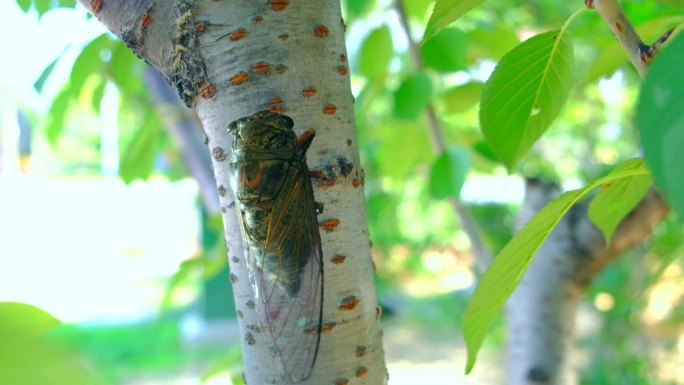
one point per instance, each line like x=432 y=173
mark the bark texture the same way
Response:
x=540 y=314
x=229 y=59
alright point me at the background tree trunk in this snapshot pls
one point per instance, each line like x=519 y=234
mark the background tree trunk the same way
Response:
x=230 y=59
x=541 y=312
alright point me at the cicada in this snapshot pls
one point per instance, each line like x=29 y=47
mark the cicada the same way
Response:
x=278 y=215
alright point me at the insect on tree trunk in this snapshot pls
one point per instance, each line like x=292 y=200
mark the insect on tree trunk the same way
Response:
x=229 y=60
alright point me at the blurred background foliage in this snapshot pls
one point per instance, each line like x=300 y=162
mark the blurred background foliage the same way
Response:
x=425 y=267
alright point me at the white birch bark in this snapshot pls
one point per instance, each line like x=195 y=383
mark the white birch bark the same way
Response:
x=229 y=59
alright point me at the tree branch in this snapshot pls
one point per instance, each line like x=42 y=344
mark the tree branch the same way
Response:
x=639 y=53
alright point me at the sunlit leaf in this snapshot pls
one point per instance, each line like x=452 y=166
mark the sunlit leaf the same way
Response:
x=449 y=172
x=88 y=62
x=660 y=117
x=138 y=159
x=446 y=12
x=67 y=3
x=617 y=199
x=98 y=93
x=446 y=50
x=402 y=145
x=356 y=8
x=27 y=357
x=56 y=115
x=376 y=53
x=510 y=264
x=525 y=94
x=417 y=8
x=125 y=69
x=25 y=5
x=491 y=42
x=42 y=6
x=462 y=98
x=22 y=318
x=412 y=96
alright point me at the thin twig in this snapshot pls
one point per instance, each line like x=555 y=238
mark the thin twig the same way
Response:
x=482 y=254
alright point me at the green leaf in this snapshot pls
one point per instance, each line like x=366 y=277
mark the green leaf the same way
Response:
x=449 y=173
x=673 y=3
x=446 y=51
x=412 y=96
x=125 y=69
x=25 y=5
x=491 y=43
x=229 y=362
x=67 y=3
x=462 y=98
x=510 y=264
x=402 y=145
x=40 y=82
x=42 y=6
x=138 y=159
x=417 y=8
x=56 y=114
x=26 y=319
x=98 y=93
x=660 y=117
x=376 y=53
x=356 y=8
x=619 y=198
x=446 y=12
x=88 y=62
x=525 y=94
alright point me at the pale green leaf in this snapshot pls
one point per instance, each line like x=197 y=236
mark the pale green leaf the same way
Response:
x=526 y=93
x=412 y=96
x=40 y=82
x=88 y=62
x=462 y=98
x=376 y=53
x=492 y=42
x=660 y=117
x=22 y=318
x=617 y=199
x=446 y=12
x=56 y=115
x=449 y=172
x=510 y=264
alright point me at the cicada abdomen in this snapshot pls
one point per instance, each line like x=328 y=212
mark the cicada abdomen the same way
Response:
x=278 y=215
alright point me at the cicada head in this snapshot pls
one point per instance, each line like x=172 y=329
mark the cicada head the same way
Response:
x=263 y=134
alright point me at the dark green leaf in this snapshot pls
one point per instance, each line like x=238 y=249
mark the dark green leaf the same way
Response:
x=617 y=199
x=449 y=173
x=24 y=5
x=412 y=96
x=462 y=98
x=138 y=159
x=660 y=117
x=376 y=53
x=38 y=84
x=510 y=264
x=483 y=149
x=446 y=12
x=56 y=115
x=525 y=94
x=446 y=50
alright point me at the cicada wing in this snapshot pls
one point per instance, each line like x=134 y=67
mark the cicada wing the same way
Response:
x=292 y=312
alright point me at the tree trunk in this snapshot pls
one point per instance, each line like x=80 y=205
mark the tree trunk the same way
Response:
x=540 y=314
x=231 y=59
